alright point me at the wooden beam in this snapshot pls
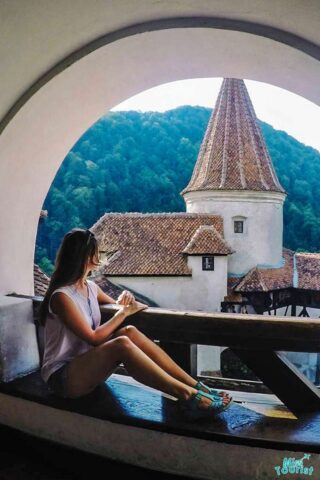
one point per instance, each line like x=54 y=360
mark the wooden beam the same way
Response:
x=183 y=354
x=256 y=340
x=283 y=378
x=226 y=329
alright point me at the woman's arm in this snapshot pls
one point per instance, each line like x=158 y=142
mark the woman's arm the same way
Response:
x=72 y=317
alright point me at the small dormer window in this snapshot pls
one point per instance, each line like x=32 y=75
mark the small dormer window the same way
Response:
x=238 y=226
x=208 y=262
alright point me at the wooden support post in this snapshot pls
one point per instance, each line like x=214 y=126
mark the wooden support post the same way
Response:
x=304 y=312
x=194 y=360
x=318 y=370
x=283 y=379
x=185 y=355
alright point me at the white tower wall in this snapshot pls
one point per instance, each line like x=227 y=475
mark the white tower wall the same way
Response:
x=262 y=214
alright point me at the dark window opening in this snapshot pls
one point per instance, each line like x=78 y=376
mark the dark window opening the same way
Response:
x=208 y=263
x=238 y=226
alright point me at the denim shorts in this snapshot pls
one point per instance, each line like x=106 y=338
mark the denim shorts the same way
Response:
x=57 y=382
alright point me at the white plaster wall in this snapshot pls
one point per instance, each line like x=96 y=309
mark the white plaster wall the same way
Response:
x=41 y=33
x=203 y=291
x=261 y=242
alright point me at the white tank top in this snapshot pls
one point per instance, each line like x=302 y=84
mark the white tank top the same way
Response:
x=61 y=345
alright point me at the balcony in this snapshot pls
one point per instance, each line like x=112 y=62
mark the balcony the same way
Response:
x=279 y=418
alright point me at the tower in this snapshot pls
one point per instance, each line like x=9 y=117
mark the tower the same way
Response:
x=234 y=177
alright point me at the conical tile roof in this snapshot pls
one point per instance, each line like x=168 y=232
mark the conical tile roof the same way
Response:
x=233 y=154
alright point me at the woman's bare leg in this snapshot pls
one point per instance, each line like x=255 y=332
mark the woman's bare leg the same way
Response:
x=88 y=370
x=159 y=356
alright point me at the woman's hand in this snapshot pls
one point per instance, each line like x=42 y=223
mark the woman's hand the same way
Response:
x=134 y=307
x=125 y=298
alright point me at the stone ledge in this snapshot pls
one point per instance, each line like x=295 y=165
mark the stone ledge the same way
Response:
x=124 y=401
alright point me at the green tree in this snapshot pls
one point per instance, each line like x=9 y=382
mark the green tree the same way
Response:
x=132 y=161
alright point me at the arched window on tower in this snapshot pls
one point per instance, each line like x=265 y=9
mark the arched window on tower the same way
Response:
x=239 y=225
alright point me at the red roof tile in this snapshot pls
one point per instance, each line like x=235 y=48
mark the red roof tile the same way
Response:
x=41 y=281
x=233 y=154
x=301 y=271
x=152 y=244
x=206 y=240
x=232 y=295
x=267 y=279
x=308 y=268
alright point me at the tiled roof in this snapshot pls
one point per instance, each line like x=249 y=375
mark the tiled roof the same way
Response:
x=300 y=270
x=152 y=243
x=233 y=154
x=41 y=281
x=206 y=240
x=232 y=295
x=308 y=269
x=266 y=279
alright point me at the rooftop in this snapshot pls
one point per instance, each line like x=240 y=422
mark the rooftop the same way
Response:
x=233 y=154
x=207 y=240
x=41 y=281
x=157 y=243
x=308 y=270
x=300 y=270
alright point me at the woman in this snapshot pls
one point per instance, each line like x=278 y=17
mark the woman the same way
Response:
x=79 y=353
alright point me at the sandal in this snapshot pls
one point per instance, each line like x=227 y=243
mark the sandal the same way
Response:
x=192 y=408
x=204 y=388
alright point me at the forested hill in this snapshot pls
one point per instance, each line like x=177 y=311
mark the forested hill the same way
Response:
x=139 y=162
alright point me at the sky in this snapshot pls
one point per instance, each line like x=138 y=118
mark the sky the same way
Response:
x=281 y=109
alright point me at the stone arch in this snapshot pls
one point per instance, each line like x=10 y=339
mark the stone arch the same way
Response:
x=46 y=121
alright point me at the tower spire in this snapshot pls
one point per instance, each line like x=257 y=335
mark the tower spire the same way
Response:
x=233 y=154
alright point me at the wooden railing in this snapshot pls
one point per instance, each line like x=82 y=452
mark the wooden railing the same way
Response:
x=233 y=330
x=256 y=339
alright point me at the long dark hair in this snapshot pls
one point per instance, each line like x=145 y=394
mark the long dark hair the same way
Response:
x=77 y=247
